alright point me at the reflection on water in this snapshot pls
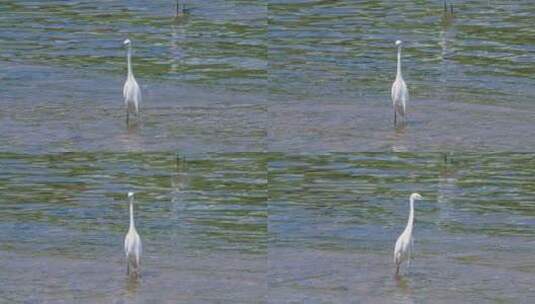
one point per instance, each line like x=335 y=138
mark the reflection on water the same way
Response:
x=132 y=285
x=221 y=42
x=431 y=126
x=180 y=179
x=345 y=48
x=400 y=144
x=69 y=110
x=178 y=34
x=209 y=84
x=334 y=219
x=179 y=183
x=332 y=64
x=447 y=181
x=131 y=140
x=181 y=10
x=203 y=220
x=404 y=289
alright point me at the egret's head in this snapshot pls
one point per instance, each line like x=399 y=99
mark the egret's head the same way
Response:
x=130 y=195
x=416 y=196
x=398 y=42
x=127 y=42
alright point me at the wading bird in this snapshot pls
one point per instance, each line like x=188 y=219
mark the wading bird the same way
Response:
x=132 y=243
x=131 y=90
x=403 y=248
x=400 y=93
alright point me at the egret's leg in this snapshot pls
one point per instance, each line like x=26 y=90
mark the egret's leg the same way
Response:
x=136 y=271
x=409 y=258
x=397 y=269
x=410 y=251
x=395 y=117
x=127 y=268
x=127 y=116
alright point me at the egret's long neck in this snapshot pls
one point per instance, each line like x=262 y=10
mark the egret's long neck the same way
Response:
x=399 y=63
x=411 y=215
x=129 y=61
x=132 y=226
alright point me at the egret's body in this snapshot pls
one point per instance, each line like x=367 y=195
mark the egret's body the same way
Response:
x=132 y=243
x=400 y=93
x=131 y=90
x=403 y=248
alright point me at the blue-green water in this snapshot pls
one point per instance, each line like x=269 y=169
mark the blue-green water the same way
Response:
x=283 y=76
x=346 y=48
x=202 y=222
x=276 y=228
x=269 y=103
x=333 y=220
x=217 y=39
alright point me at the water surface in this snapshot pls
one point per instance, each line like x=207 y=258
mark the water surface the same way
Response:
x=219 y=43
x=334 y=219
x=267 y=227
x=346 y=48
x=202 y=222
x=470 y=77
x=286 y=76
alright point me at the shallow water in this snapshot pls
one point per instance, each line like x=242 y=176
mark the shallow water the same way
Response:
x=276 y=228
x=299 y=76
x=217 y=43
x=64 y=110
x=346 y=48
x=470 y=78
x=62 y=68
x=334 y=219
x=257 y=96
x=202 y=222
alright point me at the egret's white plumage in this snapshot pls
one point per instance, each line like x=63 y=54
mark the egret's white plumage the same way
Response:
x=132 y=243
x=131 y=90
x=403 y=248
x=400 y=93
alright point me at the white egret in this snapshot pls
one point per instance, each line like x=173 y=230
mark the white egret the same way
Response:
x=403 y=248
x=132 y=243
x=131 y=90
x=400 y=93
